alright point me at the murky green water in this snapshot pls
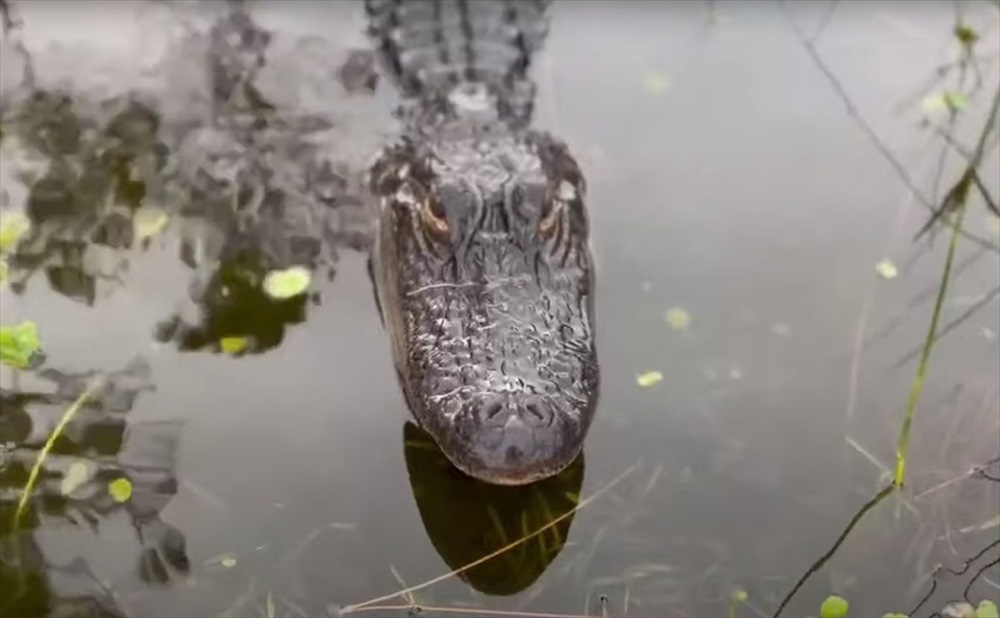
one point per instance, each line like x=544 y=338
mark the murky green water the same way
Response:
x=725 y=179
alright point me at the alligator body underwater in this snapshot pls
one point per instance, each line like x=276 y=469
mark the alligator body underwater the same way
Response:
x=481 y=262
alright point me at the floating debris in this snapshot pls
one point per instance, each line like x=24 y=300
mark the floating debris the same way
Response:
x=120 y=489
x=233 y=345
x=13 y=225
x=677 y=318
x=285 y=284
x=886 y=269
x=656 y=82
x=958 y=609
x=987 y=609
x=149 y=221
x=834 y=607
x=780 y=329
x=20 y=347
x=77 y=475
x=946 y=100
x=228 y=562
x=648 y=378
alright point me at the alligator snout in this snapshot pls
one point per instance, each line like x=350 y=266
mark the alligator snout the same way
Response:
x=514 y=438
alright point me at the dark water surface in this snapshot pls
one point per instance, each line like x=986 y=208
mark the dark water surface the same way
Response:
x=725 y=178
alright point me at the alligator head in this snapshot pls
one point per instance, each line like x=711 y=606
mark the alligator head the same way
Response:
x=483 y=276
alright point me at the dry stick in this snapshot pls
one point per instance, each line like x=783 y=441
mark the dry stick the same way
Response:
x=816 y=566
x=469 y=611
x=359 y=606
x=918 y=380
x=982 y=570
x=852 y=111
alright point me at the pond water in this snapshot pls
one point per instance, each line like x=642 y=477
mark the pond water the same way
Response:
x=168 y=154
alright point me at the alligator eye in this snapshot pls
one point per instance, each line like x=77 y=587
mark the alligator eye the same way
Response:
x=547 y=224
x=562 y=194
x=432 y=214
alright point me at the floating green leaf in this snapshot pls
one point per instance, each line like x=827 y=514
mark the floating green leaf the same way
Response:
x=284 y=284
x=987 y=609
x=233 y=345
x=965 y=34
x=834 y=607
x=950 y=100
x=20 y=346
x=120 y=489
x=13 y=225
x=656 y=82
x=149 y=221
x=648 y=378
x=737 y=597
x=677 y=318
x=228 y=562
x=886 y=269
x=894 y=615
x=77 y=475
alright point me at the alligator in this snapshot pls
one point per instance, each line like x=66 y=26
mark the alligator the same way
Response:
x=481 y=262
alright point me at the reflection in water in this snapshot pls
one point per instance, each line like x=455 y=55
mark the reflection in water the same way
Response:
x=99 y=181
x=467 y=519
x=98 y=448
x=86 y=182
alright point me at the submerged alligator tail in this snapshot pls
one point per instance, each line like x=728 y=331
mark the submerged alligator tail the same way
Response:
x=481 y=261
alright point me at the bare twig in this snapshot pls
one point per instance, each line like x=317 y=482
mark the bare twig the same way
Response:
x=853 y=111
x=968 y=313
x=982 y=571
x=402 y=593
x=816 y=566
x=466 y=611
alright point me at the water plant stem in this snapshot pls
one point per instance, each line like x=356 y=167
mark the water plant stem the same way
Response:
x=67 y=417
x=960 y=199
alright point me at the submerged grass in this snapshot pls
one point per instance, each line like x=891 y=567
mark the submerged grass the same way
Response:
x=953 y=206
x=407 y=592
x=956 y=201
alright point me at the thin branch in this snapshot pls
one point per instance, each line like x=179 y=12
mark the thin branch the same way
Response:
x=816 y=566
x=968 y=563
x=968 y=313
x=824 y=21
x=927 y=597
x=975 y=578
x=853 y=111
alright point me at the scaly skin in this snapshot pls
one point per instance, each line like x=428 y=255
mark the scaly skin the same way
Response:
x=481 y=259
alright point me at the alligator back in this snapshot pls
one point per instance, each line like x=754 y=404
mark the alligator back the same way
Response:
x=434 y=48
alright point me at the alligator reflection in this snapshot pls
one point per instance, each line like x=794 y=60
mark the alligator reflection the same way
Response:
x=98 y=447
x=467 y=519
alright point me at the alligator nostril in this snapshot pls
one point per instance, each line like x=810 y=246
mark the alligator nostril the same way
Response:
x=492 y=409
x=535 y=410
